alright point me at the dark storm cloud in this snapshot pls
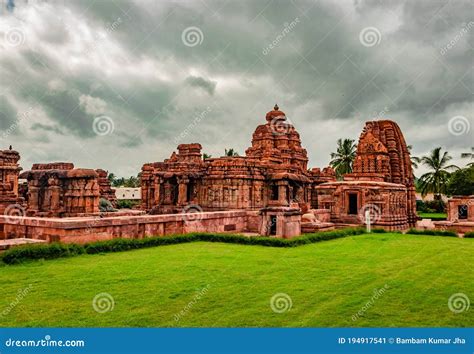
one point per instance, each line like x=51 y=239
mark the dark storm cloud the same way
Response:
x=206 y=85
x=129 y=61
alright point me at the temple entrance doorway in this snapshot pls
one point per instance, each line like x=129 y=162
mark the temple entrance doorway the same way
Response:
x=353 y=210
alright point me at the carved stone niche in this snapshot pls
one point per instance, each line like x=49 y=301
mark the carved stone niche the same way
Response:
x=283 y=222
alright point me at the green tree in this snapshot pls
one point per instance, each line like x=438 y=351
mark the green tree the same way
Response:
x=231 y=153
x=415 y=161
x=469 y=155
x=462 y=182
x=436 y=180
x=206 y=156
x=342 y=159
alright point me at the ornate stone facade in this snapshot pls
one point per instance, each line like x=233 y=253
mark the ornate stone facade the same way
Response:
x=9 y=171
x=382 y=181
x=273 y=173
x=105 y=188
x=60 y=190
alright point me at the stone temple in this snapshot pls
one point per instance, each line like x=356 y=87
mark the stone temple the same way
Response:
x=269 y=191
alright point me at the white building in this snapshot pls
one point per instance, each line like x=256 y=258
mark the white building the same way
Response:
x=125 y=193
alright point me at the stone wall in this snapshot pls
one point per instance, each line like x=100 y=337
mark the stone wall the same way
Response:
x=9 y=171
x=83 y=230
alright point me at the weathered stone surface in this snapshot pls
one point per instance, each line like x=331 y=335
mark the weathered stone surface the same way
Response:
x=105 y=188
x=382 y=181
x=9 y=171
x=460 y=215
x=60 y=190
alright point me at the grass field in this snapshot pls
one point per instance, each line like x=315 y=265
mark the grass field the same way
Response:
x=227 y=285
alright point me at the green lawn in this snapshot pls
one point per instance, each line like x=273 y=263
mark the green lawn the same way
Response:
x=434 y=216
x=328 y=283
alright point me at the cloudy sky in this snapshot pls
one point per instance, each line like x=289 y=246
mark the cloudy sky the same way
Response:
x=117 y=84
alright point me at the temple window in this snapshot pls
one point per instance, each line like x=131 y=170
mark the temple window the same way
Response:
x=462 y=211
x=274 y=192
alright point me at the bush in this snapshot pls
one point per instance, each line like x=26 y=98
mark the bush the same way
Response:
x=469 y=235
x=127 y=204
x=435 y=206
x=58 y=250
x=50 y=251
x=432 y=232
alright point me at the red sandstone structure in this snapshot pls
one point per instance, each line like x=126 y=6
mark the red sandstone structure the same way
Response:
x=273 y=178
x=269 y=191
x=9 y=170
x=60 y=190
x=105 y=189
x=460 y=212
x=382 y=181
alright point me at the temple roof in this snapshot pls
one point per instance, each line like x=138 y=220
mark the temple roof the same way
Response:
x=275 y=113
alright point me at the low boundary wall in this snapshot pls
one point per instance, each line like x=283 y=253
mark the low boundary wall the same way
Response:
x=90 y=229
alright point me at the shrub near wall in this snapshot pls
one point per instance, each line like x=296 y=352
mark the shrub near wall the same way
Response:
x=59 y=250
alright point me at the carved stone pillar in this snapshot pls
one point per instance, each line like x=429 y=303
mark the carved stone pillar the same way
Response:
x=183 y=191
x=157 y=197
x=283 y=193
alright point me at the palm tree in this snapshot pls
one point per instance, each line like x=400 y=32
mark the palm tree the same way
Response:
x=231 y=153
x=469 y=155
x=206 y=156
x=343 y=157
x=436 y=180
x=415 y=161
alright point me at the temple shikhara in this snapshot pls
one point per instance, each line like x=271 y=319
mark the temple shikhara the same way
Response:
x=269 y=191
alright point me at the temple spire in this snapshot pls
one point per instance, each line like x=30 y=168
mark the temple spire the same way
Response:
x=276 y=108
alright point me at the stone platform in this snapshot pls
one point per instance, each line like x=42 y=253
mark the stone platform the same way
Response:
x=6 y=244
